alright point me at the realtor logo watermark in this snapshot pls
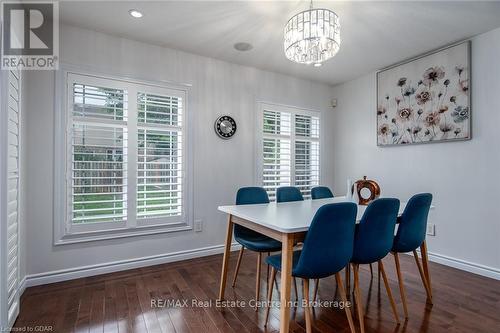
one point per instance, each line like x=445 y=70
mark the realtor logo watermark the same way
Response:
x=30 y=35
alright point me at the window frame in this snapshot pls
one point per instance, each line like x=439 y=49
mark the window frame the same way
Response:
x=66 y=232
x=293 y=110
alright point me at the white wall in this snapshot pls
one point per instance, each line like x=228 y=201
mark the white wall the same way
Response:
x=220 y=167
x=463 y=176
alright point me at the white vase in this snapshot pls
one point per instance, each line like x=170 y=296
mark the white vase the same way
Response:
x=348 y=194
x=355 y=197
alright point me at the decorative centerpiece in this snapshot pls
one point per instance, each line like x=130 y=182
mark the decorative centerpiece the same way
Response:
x=366 y=190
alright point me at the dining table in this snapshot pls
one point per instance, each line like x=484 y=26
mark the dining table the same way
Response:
x=287 y=222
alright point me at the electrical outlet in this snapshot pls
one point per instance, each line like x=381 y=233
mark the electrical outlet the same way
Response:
x=198 y=225
x=431 y=229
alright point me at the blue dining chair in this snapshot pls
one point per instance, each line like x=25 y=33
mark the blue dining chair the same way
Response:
x=250 y=239
x=411 y=235
x=373 y=240
x=321 y=192
x=327 y=249
x=288 y=193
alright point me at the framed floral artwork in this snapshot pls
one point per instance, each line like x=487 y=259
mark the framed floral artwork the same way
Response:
x=426 y=99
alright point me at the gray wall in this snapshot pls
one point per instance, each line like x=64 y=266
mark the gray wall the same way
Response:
x=463 y=176
x=220 y=167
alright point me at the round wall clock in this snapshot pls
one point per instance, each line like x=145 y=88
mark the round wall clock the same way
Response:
x=225 y=127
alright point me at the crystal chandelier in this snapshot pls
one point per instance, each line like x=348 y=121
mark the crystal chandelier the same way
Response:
x=312 y=36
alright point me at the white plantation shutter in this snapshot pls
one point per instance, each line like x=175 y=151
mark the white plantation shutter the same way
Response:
x=159 y=156
x=98 y=150
x=13 y=195
x=125 y=155
x=99 y=174
x=307 y=126
x=306 y=153
x=276 y=150
x=290 y=149
x=90 y=101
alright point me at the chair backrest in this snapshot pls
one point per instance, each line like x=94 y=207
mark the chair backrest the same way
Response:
x=288 y=193
x=413 y=223
x=375 y=232
x=329 y=242
x=321 y=192
x=249 y=196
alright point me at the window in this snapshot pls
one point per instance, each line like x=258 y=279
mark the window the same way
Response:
x=159 y=186
x=289 y=153
x=126 y=158
x=98 y=152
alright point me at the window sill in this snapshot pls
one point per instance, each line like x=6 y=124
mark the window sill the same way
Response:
x=84 y=237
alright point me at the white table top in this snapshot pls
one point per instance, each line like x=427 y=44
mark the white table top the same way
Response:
x=288 y=217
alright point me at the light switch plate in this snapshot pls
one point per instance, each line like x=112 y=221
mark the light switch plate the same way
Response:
x=431 y=229
x=198 y=225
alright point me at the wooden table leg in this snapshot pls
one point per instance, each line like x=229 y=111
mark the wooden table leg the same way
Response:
x=307 y=308
x=286 y=281
x=225 y=262
x=257 y=280
x=425 y=264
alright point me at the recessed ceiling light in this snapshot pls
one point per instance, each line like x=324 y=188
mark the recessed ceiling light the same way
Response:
x=135 y=13
x=318 y=64
x=242 y=46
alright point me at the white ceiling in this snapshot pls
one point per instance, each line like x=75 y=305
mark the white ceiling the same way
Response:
x=374 y=34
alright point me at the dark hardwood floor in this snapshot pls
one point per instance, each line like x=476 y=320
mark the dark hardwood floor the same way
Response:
x=121 y=302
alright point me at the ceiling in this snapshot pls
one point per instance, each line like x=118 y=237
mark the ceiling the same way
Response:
x=374 y=34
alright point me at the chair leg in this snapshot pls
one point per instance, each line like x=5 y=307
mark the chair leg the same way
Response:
x=257 y=281
x=267 y=274
x=388 y=289
x=238 y=263
x=344 y=299
x=425 y=261
x=359 y=304
x=348 y=280
x=307 y=309
x=315 y=293
x=371 y=271
x=422 y=276
x=295 y=288
x=401 y=285
x=270 y=282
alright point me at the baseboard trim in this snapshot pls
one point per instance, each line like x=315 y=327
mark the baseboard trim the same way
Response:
x=465 y=265
x=116 y=266
x=22 y=286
